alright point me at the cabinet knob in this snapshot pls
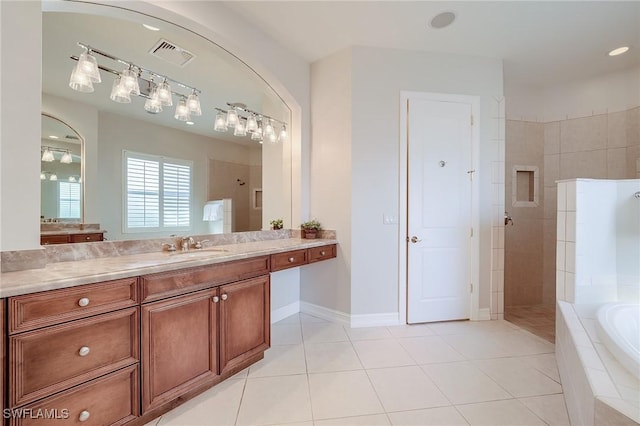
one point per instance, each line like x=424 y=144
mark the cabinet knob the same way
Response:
x=291 y=259
x=84 y=351
x=224 y=296
x=322 y=253
x=88 y=238
x=83 y=302
x=84 y=416
x=216 y=299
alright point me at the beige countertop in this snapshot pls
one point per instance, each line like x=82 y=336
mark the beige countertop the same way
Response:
x=73 y=231
x=73 y=273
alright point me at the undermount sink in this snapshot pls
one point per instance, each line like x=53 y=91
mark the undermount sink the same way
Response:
x=204 y=252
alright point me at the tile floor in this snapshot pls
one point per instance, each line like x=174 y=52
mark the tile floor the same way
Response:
x=538 y=319
x=319 y=373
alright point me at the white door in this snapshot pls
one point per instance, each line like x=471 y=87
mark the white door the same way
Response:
x=439 y=210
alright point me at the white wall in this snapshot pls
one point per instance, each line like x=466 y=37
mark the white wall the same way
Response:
x=365 y=83
x=117 y=133
x=20 y=134
x=613 y=92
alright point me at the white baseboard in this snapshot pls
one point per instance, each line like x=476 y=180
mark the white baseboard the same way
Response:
x=325 y=313
x=375 y=320
x=285 y=311
x=484 y=314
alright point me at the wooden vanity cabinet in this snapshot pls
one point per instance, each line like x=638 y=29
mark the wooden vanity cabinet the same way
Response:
x=67 y=238
x=3 y=337
x=245 y=321
x=179 y=346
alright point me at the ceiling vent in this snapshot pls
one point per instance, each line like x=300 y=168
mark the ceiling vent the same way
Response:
x=171 y=53
x=72 y=137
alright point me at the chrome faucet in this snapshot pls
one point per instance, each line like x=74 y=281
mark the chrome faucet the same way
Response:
x=186 y=243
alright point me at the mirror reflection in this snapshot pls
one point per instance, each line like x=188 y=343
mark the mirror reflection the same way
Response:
x=148 y=172
x=60 y=172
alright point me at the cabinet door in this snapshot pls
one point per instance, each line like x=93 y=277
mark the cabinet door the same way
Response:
x=179 y=346
x=244 y=320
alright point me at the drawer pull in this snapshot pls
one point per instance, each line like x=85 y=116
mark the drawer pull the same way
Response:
x=84 y=416
x=216 y=299
x=291 y=259
x=84 y=351
x=224 y=296
x=83 y=302
x=322 y=253
x=88 y=238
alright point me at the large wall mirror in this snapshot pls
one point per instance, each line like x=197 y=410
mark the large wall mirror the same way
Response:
x=126 y=144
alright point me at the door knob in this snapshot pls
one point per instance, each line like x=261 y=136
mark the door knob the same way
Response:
x=415 y=239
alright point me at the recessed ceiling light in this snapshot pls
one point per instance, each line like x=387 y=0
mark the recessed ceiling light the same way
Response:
x=150 y=27
x=619 y=51
x=442 y=20
x=190 y=123
x=53 y=137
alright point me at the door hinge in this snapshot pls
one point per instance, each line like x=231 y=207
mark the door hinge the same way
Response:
x=470 y=287
x=471 y=233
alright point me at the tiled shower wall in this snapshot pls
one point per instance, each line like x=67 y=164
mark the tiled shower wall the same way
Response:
x=604 y=146
x=497 y=208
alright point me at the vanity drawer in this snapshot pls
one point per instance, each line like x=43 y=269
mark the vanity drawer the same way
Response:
x=109 y=400
x=317 y=254
x=85 y=238
x=53 y=359
x=289 y=259
x=36 y=310
x=54 y=239
x=166 y=284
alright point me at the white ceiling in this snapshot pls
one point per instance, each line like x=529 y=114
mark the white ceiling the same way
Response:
x=542 y=43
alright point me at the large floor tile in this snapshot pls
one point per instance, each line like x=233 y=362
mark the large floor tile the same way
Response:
x=430 y=349
x=442 y=416
x=468 y=327
x=464 y=383
x=331 y=356
x=291 y=319
x=382 y=353
x=550 y=408
x=368 y=333
x=286 y=334
x=273 y=400
x=316 y=332
x=521 y=342
x=280 y=361
x=518 y=378
x=545 y=363
x=412 y=330
x=223 y=399
x=406 y=388
x=477 y=346
x=343 y=394
x=375 y=420
x=499 y=413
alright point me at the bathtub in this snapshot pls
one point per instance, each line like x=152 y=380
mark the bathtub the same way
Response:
x=618 y=326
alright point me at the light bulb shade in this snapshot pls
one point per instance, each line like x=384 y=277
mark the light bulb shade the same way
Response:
x=47 y=155
x=283 y=134
x=268 y=130
x=43 y=176
x=193 y=103
x=220 y=124
x=257 y=134
x=119 y=92
x=164 y=94
x=72 y=178
x=232 y=117
x=252 y=123
x=129 y=81
x=182 y=110
x=241 y=129
x=66 y=158
x=80 y=82
x=272 y=137
x=53 y=177
x=153 y=104
x=88 y=66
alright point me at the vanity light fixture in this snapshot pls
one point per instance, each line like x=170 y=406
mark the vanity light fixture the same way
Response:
x=72 y=179
x=127 y=83
x=53 y=177
x=245 y=121
x=619 y=51
x=43 y=175
x=48 y=155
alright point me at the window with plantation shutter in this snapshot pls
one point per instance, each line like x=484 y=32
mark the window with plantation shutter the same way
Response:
x=157 y=193
x=69 y=200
